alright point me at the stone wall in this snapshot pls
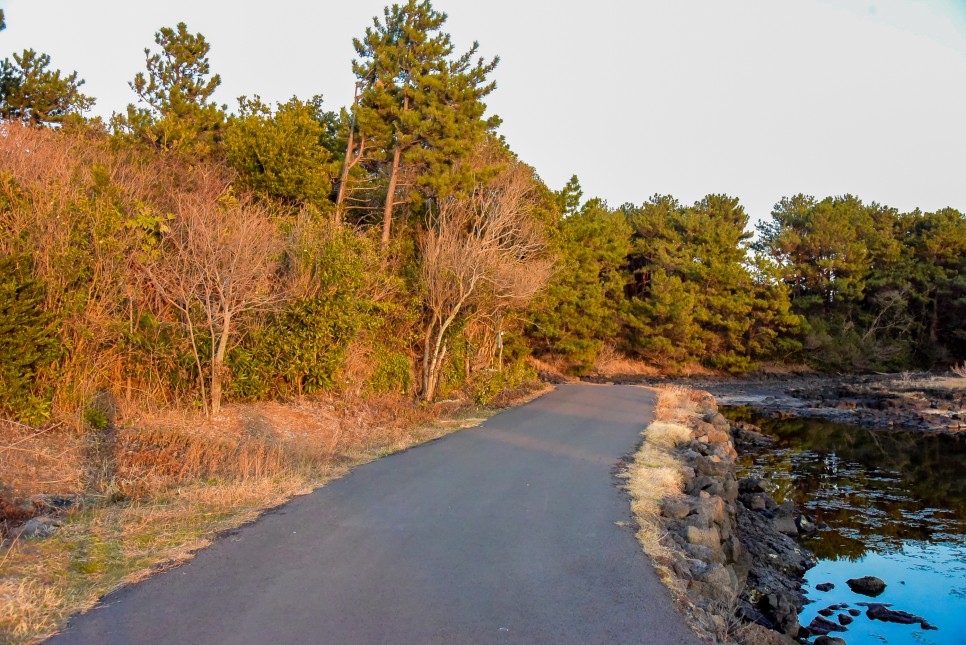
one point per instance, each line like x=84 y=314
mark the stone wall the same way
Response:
x=736 y=553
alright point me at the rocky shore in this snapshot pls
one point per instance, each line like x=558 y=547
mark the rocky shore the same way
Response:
x=927 y=403
x=736 y=552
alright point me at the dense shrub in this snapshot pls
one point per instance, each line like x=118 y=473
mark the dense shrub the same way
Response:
x=29 y=343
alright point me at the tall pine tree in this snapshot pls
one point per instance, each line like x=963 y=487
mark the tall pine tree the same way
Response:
x=583 y=304
x=33 y=93
x=178 y=113
x=420 y=103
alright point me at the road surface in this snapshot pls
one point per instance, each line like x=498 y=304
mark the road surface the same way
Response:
x=511 y=532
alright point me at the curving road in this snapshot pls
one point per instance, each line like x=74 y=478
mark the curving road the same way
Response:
x=505 y=533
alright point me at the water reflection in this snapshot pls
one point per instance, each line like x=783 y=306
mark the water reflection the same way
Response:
x=891 y=504
x=875 y=490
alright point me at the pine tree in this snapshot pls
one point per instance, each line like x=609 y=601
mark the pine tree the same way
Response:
x=582 y=306
x=660 y=324
x=938 y=242
x=823 y=247
x=695 y=295
x=34 y=94
x=179 y=114
x=569 y=196
x=421 y=105
x=283 y=153
x=851 y=275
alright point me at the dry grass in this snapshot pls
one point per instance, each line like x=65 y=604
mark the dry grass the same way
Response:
x=959 y=370
x=655 y=475
x=784 y=369
x=666 y=435
x=181 y=479
x=551 y=369
x=44 y=581
x=674 y=403
x=611 y=363
x=35 y=460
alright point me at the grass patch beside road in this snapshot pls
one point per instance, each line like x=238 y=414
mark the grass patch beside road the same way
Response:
x=655 y=475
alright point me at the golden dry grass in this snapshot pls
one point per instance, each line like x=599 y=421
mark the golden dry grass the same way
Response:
x=665 y=435
x=34 y=460
x=655 y=475
x=550 y=369
x=673 y=402
x=44 y=581
x=183 y=479
x=612 y=363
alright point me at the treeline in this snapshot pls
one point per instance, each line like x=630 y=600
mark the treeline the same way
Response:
x=182 y=253
x=834 y=283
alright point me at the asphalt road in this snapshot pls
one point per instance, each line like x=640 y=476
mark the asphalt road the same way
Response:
x=504 y=533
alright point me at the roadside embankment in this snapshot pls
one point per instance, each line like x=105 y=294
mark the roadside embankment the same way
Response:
x=138 y=500
x=724 y=546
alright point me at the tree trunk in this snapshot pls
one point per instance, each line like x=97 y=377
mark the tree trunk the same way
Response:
x=197 y=355
x=426 y=357
x=348 y=162
x=390 y=197
x=437 y=363
x=218 y=364
x=340 y=197
x=393 y=178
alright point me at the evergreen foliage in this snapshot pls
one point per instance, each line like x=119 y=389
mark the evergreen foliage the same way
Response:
x=584 y=302
x=694 y=293
x=178 y=113
x=420 y=105
x=114 y=252
x=33 y=93
x=29 y=342
x=880 y=289
x=284 y=153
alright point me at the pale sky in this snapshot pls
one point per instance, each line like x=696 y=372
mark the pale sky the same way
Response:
x=757 y=99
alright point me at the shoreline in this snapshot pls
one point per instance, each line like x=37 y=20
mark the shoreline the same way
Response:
x=724 y=546
x=928 y=403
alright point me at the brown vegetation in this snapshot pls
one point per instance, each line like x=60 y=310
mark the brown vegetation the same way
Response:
x=655 y=475
x=612 y=363
x=168 y=486
x=216 y=262
x=481 y=254
x=657 y=478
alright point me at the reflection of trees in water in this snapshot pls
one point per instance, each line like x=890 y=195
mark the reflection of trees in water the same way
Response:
x=875 y=489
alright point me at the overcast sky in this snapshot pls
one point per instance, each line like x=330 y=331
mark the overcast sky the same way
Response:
x=757 y=99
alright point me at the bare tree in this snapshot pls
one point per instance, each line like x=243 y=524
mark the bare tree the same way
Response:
x=479 y=254
x=217 y=262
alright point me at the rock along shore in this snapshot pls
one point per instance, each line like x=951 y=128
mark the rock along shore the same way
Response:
x=736 y=550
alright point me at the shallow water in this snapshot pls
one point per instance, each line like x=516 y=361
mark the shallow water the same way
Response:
x=893 y=505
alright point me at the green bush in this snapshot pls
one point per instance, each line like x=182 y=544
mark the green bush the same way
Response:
x=29 y=343
x=392 y=371
x=488 y=384
x=299 y=351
